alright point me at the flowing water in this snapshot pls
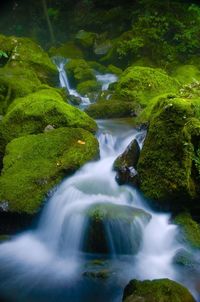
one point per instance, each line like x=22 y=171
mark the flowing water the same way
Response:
x=53 y=262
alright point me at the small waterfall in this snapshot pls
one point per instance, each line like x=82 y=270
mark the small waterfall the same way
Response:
x=64 y=82
x=106 y=80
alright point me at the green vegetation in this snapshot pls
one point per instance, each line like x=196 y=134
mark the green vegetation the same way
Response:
x=164 y=290
x=34 y=164
x=110 y=109
x=79 y=71
x=140 y=84
x=16 y=82
x=31 y=114
x=189 y=230
x=165 y=165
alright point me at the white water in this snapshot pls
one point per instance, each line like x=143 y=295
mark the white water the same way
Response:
x=64 y=82
x=51 y=256
x=104 y=79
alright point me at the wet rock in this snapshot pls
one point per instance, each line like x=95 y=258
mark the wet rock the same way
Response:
x=126 y=165
x=114 y=229
x=164 y=290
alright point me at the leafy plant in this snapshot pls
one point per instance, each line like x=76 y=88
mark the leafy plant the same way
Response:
x=3 y=54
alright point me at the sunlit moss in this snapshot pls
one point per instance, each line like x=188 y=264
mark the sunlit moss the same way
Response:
x=34 y=164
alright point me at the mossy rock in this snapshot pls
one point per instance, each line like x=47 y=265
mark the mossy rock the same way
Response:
x=31 y=114
x=161 y=290
x=79 y=71
x=189 y=230
x=186 y=74
x=114 y=69
x=26 y=53
x=166 y=164
x=88 y=87
x=85 y=39
x=104 y=220
x=34 y=164
x=186 y=259
x=110 y=109
x=67 y=50
x=97 y=66
x=141 y=84
x=101 y=48
x=16 y=82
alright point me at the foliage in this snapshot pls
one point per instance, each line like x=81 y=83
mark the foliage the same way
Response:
x=3 y=54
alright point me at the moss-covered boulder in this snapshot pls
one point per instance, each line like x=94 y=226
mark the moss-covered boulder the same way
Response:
x=26 y=53
x=140 y=84
x=114 y=228
x=168 y=166
x=67 y=50
x=126 y=164
x=110 y=109
x=89 y=87
x=34 y=164
x=186 y=74
x=85 y=39
x=31 y=114
x=16 y=82
x=79 y=71
x=161 y=290
x=189 y=230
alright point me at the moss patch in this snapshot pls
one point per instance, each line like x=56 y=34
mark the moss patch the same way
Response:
x=87 y=87
x=164 y=290
x=34 y=164
x=79 y=71
x=31 y=114
x=16 y=82
x=190 y=230
x=166 y=161
x=186 y=74
x=110 y=109
x=141 y=84
x=26 y=53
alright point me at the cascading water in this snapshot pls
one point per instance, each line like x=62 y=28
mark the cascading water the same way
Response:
x=52 y=262
x=64 y=82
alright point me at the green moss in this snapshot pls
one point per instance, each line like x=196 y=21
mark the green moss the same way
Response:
x=110 y=109
x=85 y=39
x=89 y=86
x=34 y=164
x=165 y=164
x=67 y=50
x=186 y=74
x=79 y=71
x=115 y=70
x=16 y=82
x=109 y=211
x=141 y=84
x=107 y=216
x=97 y=66
x=31 y=114
x=190 y=230
x=26 y=53
x=161 y=290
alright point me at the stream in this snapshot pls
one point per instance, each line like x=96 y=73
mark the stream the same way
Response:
x=54 y=261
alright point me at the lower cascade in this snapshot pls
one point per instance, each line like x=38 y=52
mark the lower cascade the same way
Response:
x=92 y=232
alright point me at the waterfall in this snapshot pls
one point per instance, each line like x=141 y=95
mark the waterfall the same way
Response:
x=64 y=82
x=53 y=261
